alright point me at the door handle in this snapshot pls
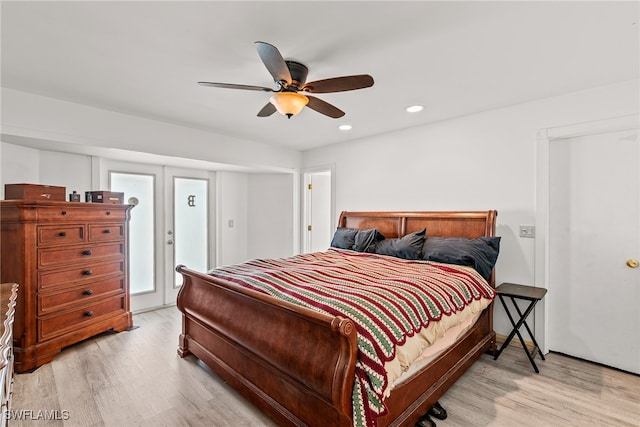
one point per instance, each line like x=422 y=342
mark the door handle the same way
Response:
x=632 y=263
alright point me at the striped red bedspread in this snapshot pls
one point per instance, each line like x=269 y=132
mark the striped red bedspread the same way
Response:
x=388 y=299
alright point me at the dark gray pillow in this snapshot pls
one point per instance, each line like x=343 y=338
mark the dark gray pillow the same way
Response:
x=356 y=240
x=480 y=253
x=407 y=247
x=344 y=238
x=366 y=240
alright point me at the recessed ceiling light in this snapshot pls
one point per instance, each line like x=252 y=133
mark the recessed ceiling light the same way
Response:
x=414 y=108
x=344 y=127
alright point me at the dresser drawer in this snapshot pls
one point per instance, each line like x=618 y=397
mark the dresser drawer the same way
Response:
x=48 y=303
x=105 y=232
x=84 y=274
x=53 y=326
x=51 y=235
x=85 y=254
x=77 y=212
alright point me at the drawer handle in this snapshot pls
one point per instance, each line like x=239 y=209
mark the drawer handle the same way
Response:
x=108 y=212
x=87 y=292
x=107 y=231
x=87 y=272
x=63 y=213
x=88 y=313
x=87 y=252
x=62 y=233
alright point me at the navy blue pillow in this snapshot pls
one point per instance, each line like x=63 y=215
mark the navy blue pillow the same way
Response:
x=407 y=247
x=480 y=253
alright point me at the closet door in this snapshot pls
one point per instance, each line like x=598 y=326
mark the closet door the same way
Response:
x=594 y=246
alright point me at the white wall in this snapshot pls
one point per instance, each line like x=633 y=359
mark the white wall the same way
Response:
x=27 y=165
x=19 y=165
x=270 y=210
x=232 y=200
x=25 y=115
x=477 y=162
x=72 y=171
x=261 y=208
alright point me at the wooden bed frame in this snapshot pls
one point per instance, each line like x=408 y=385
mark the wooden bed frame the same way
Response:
x=298 y=365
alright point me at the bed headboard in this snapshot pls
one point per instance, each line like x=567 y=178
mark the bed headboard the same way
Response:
x=469 y=224
x=442 y=224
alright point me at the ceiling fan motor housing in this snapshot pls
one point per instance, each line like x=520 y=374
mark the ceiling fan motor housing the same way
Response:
x=298 y=73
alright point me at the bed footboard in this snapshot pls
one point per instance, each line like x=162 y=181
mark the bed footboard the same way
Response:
x=291 y=362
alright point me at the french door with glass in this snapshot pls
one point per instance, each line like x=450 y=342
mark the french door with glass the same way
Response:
x=187 y=216
x=170 y=225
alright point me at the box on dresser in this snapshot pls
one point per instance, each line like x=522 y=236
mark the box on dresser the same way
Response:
x=109 y=197
x=71 y=261
x=34 y=192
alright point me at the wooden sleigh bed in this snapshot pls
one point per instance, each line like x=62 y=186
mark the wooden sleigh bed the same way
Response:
x=296 y=364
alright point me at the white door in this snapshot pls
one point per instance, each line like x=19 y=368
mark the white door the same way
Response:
x=169 y=225
x=188 y=223
x=142 y=186
x=318 y=208
x=594 y=239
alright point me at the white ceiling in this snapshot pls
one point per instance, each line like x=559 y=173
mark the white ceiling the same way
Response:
x=455 y=58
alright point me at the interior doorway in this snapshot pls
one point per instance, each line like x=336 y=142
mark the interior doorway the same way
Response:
x=318 y=208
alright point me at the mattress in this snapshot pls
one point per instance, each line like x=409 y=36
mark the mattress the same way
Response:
x=402 y=374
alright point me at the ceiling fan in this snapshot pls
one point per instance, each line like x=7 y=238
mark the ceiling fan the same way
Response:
x=291 y=95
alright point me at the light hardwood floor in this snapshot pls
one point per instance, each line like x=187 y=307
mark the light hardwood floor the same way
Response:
x=135 y=378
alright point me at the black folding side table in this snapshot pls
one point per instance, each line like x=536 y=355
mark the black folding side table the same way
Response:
x=522 y=292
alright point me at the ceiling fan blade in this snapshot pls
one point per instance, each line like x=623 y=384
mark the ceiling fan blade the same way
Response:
x=234 y=86
x=324 y=107
x=339 y=84
x=267 y=110
x=274 y=62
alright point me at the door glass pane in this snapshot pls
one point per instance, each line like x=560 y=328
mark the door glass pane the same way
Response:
x=141 y=228
x=190 y=227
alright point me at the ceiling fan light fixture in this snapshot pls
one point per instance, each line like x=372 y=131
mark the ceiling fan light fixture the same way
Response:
x=288 y=103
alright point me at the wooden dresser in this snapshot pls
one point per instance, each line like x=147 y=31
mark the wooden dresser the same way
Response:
x=8 y=294
x=71 y=262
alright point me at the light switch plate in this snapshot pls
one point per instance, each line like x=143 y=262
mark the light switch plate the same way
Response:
x=527 y=231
